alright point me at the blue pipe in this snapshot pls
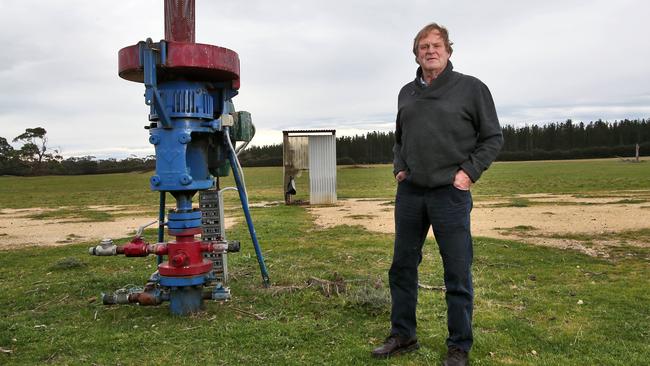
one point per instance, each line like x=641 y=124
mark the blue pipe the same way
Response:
x=161 y=222
x=183 y=200
x=244 y=203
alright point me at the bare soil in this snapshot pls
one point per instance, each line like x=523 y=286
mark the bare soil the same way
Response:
x=542 y=219
x=18 y=230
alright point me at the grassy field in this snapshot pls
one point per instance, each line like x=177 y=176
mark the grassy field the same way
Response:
x=534 y=305
x=582 y=177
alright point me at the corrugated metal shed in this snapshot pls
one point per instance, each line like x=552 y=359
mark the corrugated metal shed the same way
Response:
x=313 y=150
x=322 y=170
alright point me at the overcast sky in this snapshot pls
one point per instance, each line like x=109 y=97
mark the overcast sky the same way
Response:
x=320 y=64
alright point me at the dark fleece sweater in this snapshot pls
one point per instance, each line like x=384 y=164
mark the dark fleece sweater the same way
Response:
x=449 y=125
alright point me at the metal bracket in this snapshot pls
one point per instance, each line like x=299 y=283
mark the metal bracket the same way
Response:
x=152 y=54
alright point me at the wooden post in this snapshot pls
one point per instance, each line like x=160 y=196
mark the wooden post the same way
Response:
x=637 y=152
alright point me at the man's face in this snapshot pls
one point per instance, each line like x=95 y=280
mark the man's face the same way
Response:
x=432 y=54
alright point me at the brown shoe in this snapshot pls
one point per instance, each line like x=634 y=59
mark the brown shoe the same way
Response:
x=456 y=357
x=395 y=345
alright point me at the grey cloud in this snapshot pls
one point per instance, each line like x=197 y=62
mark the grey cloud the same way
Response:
x=311 y=64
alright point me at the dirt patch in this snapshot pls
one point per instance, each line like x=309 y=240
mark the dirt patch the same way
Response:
x=542 y=222
x=18 y=230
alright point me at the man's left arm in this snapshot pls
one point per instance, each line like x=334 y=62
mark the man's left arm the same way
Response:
x=490 y=137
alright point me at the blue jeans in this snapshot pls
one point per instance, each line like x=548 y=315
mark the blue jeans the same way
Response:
x=446 y=209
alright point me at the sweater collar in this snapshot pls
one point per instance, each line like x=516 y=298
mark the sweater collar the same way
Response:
x=442 y=79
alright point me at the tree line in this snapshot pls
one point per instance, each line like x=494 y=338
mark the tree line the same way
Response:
x=35 y=157
x=371 y=148
x=561 y=140
x=571 y=140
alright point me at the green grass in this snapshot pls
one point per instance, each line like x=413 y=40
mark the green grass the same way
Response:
x=360 y=217
x=564 y=177
x=579 y=177
x=571 y=309
x=623 y=237
x=514 y=202
x=526 y=299
x=630 y=201
x=642 y=235
x=519 y=229
x=80 y=214
x=85 y=190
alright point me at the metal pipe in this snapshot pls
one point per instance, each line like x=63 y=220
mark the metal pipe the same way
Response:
x=140 y=230
x=183 y=200
x=232 y=148
x=139 y=248
x=245 y=144
x=179 y=21
x=234 y=163
x=161 y=223
x=144 y=298
x=105 y=248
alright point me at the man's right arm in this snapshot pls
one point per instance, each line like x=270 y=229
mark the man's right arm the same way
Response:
x=399 y=165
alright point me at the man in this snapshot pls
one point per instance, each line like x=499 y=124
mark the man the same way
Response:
x=447 y=134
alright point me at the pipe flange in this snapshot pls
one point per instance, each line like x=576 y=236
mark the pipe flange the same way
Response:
x=190 y=61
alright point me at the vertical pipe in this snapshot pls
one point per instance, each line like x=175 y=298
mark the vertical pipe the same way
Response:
x=244 y=203
x=183 y=200
x=161 y=222
x=249 y=222
x=179 y=21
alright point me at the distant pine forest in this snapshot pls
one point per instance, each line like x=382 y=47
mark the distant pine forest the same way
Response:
x=552 y=141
